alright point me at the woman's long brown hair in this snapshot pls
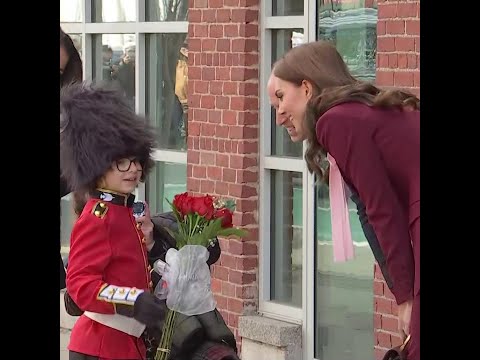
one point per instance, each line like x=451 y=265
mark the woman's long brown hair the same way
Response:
x=323 y=67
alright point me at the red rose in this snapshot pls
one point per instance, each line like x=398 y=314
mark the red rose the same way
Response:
x=226 y=216
x=203 y=206
x=183 y=203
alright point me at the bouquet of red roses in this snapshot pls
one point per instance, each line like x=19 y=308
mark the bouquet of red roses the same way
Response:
x=186 y=276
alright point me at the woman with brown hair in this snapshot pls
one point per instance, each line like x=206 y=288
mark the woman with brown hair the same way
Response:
x=368 y=139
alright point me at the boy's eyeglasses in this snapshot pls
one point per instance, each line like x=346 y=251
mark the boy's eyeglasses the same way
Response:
x=124 y=165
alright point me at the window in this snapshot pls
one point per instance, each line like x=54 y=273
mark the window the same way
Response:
x=299 y=282
x=139 y=47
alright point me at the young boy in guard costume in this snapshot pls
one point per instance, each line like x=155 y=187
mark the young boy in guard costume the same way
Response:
x=105 y=149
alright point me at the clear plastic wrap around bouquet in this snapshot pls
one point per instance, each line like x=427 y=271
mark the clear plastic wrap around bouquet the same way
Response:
x=185 y=274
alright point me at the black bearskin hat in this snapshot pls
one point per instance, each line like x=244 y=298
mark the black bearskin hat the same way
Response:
x=97 y=127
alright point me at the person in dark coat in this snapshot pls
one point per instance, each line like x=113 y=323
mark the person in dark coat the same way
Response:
x=371 y=140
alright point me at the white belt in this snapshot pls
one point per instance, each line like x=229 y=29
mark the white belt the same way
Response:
x=118 y=322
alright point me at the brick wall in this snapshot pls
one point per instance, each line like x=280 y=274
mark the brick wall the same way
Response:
x=398 y=65
x=223 y=135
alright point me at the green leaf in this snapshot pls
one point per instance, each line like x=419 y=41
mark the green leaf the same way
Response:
x=233 y=231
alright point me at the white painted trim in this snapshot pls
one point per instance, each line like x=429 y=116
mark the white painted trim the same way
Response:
x=284 y=163
x=285 y=22
x=156 y=27
x=281 y=312
x=170 y=156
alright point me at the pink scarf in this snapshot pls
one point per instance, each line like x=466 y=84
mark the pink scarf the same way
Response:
x=341 y=232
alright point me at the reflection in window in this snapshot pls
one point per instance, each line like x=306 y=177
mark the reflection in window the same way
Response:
x=114 y=10
x=166 y=82
x=282 y=41
x=67 y=217
x=71 y=11
x=286 y=234
x=164 y=182
x=352 y=27
x=114 y=62
x=287 y=7
x=343 y=291
x=166 y=10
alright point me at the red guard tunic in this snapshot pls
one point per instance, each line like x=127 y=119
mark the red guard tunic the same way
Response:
x=106 y=248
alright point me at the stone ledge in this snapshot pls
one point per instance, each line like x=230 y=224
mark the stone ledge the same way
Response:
x=269 y=331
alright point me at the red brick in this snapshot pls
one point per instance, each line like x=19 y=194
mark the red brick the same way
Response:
x=404 y=44
x=247 y=263
x=228 y=289
x=246 y=291
x=402 y=61
x=382 y=60
x=216 y=285
x=222 y=131
x=248 y=118
x=240 y=277
x=208 y=16
x=244 y=15
x=378 y=287
x=396 y=340
x=243 y=219
x=193 y=157
x=248 y=147
x=200 y=3
x=221 y=188
x=215 y=3
x=207 y=187
x=377 y=321
x=416 y=78
x=214 y=173
x=389 y=323
x=222 y=160
x=237 y=247
x=384 y=78
x=248 y=30
x=403 y=78
x=215 y=116
x=383 y=306
x=231 y=88
x=231 y=31
x=208 y=44
x=412 y=27
x=385 y=44
x=215 y=31
x=233 y=320
x=199 y=172
x=222 y=302
x=223 y=45
x=242 y=191
x=224 y=15
x=392 y=61
x=222 y=73
x=381 y=27
x=244 y=205
x=248 y=89
x=242 y=162
x=229 y=175
x=233 y=3
x=235 y=305
x=247 y=177
x=194 y=15
x=387 y=11
x=222 y=102
x=383 y=339
x=193 y=184
x=405 y=10
x=395 y=27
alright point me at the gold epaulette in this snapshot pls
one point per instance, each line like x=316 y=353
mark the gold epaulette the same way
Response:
x=100 y=209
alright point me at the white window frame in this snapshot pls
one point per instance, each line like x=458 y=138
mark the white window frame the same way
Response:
x=305 y=314
x=139 y=28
